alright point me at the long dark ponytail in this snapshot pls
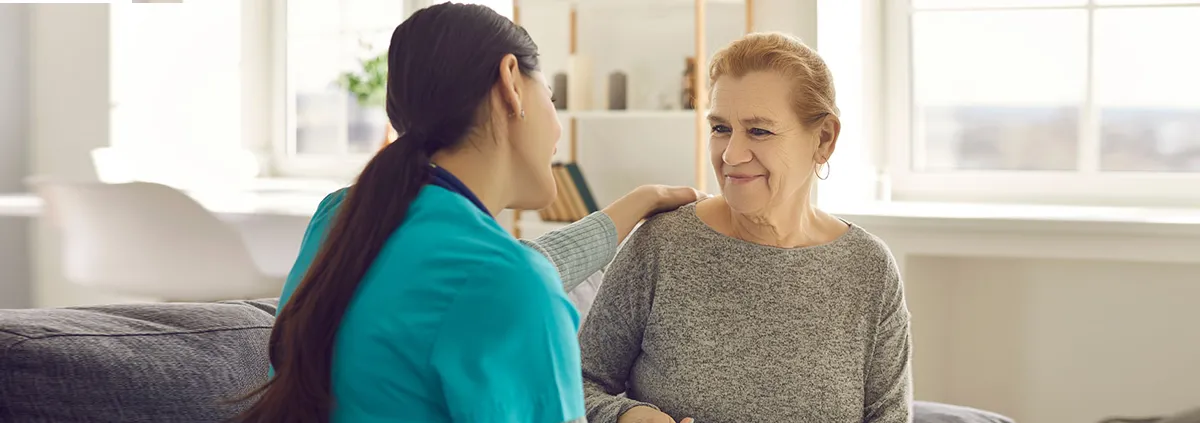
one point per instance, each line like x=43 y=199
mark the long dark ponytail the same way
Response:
x=442 y=63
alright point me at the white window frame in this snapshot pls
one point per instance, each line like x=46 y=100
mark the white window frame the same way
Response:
x=1085 y=186
x=283 y=162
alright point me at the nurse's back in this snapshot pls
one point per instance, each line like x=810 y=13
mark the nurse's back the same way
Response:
x=450 y=297
x=409 y=302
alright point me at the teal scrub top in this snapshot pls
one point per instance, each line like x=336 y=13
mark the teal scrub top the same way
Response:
x=455 y=321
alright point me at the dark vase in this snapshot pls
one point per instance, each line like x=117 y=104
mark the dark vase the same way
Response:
x=560 y=91
x=688 y=93
x=618 y=91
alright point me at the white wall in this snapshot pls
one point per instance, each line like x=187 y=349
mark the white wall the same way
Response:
x=796 y=17
x=1047 y=341
x=69 y=53
x=15 y=274
x=70 y=102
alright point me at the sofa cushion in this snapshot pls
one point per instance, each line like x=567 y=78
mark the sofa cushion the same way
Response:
x=933 y=412
x=1187 y=416
x=172 y=362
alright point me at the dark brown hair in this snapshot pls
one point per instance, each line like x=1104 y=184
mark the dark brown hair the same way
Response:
x=442 y=63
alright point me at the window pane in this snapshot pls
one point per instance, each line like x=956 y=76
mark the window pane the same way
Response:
x=320 y=116
x=371 y=15
x=313 y=16
x=998 y=90
x=153 y=50
x=1148 y=89
x=326 y=39
x=314 y=63
x=365 y=123
x=503 y=7
x=977 y=4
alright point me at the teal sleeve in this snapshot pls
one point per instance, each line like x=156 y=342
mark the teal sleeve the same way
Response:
x=314 y=235
x=508 y=350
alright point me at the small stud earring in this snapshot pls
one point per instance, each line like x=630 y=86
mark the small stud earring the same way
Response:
x=522 y=114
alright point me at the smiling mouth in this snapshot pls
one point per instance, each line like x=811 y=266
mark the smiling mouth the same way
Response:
x=742 y=179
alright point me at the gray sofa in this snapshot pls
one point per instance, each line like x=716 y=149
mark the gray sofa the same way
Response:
x=179 y=362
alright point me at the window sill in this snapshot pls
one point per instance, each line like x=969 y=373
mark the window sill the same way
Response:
x=1133 y=234
x=1024 y=217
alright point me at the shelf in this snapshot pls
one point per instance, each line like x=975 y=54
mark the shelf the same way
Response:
x=628 y=114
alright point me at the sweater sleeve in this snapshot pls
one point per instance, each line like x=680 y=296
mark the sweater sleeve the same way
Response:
x=889 y=378
x=580 y=249
x=611 y=337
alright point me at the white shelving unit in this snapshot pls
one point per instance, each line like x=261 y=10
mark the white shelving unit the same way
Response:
x=639 y=3
x=656 y=140
x=628 y=114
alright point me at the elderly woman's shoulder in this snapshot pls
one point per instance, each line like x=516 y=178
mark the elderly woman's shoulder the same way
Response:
x=681 y=217
x=870 y=248
x=670 y=224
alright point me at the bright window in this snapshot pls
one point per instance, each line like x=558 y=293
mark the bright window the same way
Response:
x=333 y=127
x=1045 y=100
x=176 y=75
x=326 y=39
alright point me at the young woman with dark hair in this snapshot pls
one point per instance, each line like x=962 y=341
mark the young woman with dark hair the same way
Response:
x=409 y=302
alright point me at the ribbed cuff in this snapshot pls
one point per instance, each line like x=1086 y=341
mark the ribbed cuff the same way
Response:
x=580 y=249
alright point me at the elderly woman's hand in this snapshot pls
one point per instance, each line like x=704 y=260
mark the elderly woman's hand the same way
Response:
x=642 y=414
x=646 y=201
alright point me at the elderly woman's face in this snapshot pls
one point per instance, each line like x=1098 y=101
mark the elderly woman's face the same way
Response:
x=762 y=154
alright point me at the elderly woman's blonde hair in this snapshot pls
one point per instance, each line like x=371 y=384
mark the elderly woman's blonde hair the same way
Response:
x=813 y=97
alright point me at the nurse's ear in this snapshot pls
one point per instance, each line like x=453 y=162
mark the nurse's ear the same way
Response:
x=509 y=88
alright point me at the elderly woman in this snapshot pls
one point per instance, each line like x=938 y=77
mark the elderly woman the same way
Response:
x=754 y=306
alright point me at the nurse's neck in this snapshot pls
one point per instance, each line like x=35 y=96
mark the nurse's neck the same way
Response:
x=482 y=173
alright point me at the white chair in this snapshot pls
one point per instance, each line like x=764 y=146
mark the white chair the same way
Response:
x=150 y=240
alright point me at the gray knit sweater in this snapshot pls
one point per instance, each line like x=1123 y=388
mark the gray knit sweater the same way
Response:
x=703 y=325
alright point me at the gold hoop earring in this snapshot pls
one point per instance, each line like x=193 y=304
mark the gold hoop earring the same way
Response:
x=827 y=170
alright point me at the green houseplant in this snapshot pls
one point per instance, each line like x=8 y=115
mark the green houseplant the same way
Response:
x=369 y=87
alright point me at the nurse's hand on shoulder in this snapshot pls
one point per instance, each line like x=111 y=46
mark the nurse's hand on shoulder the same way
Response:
x=667 y=198
x=643 y=414
x=646 y=201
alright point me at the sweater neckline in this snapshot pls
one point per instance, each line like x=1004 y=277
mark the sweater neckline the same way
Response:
x=689 y=211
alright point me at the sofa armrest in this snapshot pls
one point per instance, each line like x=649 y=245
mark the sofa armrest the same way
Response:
x=933 y=412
